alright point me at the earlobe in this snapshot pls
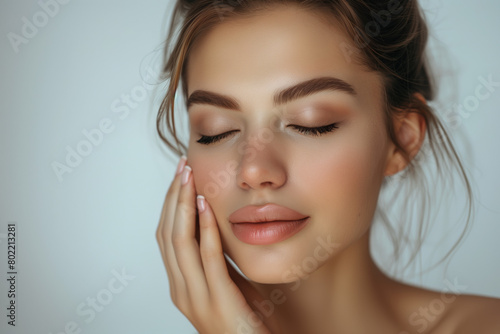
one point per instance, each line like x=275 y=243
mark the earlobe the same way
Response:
x=395 y=161
x=410 y=129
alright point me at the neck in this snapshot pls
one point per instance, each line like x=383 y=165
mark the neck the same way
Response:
x=347 y=288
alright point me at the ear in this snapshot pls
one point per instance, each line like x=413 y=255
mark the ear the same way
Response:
x=410 y=129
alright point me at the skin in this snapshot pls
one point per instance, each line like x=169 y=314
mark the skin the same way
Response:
x=334 y=178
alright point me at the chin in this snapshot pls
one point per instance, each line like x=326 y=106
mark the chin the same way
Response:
x=289 y=261
x=267 y=269
x=264 y=276
x=258 y=273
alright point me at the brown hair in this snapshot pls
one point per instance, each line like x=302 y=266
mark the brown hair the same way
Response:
x=386 y=37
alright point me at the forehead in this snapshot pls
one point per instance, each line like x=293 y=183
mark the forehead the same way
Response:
x=272 y=48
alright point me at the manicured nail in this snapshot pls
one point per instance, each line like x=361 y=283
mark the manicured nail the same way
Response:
x=186 y=174
x=201 y=203
x=181 y=164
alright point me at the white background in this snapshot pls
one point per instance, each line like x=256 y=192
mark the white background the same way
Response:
x=102 y=217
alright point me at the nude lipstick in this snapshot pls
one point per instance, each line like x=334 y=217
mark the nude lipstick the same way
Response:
x=268 y=224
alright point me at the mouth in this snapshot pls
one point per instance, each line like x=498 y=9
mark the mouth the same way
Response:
x=267 y=232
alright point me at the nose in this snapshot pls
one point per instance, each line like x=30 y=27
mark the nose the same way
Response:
x=261 y=166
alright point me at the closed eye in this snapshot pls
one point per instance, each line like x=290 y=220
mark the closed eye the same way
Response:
x=316 y=131
x=207 y=140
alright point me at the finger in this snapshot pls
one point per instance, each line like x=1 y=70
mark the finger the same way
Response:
x=160 y=233
x=170 y=197
x=214 y=262
x=187 y=251
x=217 y=269
x=164 y=233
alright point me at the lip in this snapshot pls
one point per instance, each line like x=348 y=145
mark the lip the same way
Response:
x=262 y=225
x=266 y=213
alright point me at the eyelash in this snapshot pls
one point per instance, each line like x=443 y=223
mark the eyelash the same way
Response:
x=317 y=131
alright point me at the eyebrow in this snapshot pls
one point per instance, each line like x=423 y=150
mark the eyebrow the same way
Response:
x=283 y=96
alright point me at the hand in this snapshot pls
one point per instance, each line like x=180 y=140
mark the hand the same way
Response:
x=202 y=282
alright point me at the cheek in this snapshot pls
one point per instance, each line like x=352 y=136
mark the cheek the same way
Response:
x=213 y=177
x=348 y=175
x=344 y=182
x=203 y=171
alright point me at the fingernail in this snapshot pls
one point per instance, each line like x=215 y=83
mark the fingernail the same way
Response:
x=201 y=203
x=180 y=165
x=186 y=174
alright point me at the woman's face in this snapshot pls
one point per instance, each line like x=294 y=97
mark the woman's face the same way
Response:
x=333 y=177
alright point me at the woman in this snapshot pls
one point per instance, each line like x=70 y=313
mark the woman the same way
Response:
x=299 y=113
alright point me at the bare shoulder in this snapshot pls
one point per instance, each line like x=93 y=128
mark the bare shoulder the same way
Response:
x=473 y=314
x=426 y=311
